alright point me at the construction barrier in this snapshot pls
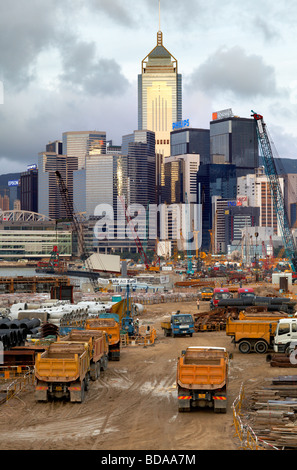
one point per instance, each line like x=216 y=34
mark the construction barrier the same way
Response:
x=13 y=380
x=144 y=338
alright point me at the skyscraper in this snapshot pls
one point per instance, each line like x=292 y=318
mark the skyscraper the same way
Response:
x=82 y=143
x=159 y=95
x=236 y=140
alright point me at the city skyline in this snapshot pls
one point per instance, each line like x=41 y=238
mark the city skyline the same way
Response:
x=76 y=68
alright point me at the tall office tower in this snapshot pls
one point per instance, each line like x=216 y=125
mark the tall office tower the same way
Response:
x=236 y=140
x=191 y=141
x=82 y=143
x=56 y=146
x=103 y=179
x=181 y=179
x=29 y=190
x=290 y=197
x=140 y=150
x=213 y=180
x=159 y=95
x=257 y=189
x=50 y=202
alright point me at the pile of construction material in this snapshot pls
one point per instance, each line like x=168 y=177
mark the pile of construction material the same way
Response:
x=282 y=360
x=214 y=320
x=272 y=412
x=15 y=332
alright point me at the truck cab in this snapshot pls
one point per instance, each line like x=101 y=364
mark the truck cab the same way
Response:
x=180 y=324
x=220 y=293
x=246 y=292
x=285 y=339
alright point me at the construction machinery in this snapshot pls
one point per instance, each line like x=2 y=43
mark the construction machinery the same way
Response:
x=62 y=371
x=111 y=326
x=202 y=377
x=78 y=230
x=276 y=191
x=252 y=335
x=179 y=324
x=98 y=348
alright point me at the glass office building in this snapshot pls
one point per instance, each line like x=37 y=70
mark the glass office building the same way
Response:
x=191 y=141
x=159 y=95
x=82 y=143
x=214 y=180
x=236 y=139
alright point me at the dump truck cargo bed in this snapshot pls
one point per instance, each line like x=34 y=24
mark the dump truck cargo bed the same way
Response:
x=202 y=368
x=202 y=374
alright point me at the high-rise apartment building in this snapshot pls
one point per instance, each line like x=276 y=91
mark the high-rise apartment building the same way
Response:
x=257 y=189
x=82 y=143
x=236 y=140
x=159 y=95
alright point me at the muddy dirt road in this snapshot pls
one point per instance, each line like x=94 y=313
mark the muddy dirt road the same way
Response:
x=133 y=406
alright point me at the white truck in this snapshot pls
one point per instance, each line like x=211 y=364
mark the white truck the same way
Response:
x=285 y=339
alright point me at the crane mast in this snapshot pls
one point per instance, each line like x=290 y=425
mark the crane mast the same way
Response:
x=276 y=191
x=78 y=229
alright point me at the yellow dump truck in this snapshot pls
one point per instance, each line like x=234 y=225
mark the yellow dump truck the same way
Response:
x=112 y=328
x=252 y=335
x=202 y=375
x=62 y=371
x=205 y=293
x=98 y=348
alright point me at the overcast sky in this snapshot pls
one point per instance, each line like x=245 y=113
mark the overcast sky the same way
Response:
x=73 y=65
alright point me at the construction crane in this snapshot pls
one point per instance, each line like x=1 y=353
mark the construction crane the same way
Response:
x=141 y=251
x=78 y=229
x=276 y=192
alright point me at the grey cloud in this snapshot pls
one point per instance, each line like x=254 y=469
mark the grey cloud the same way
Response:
x=25 y=31
x=270 y=33
x=115 y=10
x=232 y=70
x=88 y=74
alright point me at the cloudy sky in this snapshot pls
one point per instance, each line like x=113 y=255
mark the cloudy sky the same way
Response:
x=73 y=65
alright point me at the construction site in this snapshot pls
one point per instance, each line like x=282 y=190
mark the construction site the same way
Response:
x=176 y=354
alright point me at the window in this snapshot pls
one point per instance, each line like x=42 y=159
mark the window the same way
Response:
x=284 y=328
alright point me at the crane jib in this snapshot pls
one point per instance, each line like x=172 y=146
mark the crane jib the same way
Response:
x=276 y=191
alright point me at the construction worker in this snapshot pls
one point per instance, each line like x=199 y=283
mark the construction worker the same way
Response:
x=198 y=304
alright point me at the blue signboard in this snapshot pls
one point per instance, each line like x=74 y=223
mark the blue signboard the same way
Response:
x=13 y=183
x=180 y=124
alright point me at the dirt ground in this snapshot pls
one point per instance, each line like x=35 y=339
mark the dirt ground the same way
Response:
x=133 y=405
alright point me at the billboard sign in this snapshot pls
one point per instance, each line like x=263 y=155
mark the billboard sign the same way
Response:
x=180 y=124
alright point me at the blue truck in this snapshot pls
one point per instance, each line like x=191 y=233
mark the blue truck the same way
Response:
x=180 y=324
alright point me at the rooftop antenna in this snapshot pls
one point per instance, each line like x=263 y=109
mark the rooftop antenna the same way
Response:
x=159 y=15
x=159 y=34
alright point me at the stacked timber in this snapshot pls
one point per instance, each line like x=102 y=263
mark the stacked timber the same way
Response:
x=272 y=412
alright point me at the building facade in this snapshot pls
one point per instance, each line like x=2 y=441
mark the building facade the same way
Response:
x=82 y=143
x=159 y=95
x=236 y=140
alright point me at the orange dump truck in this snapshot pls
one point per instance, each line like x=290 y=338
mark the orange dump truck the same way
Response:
x=98 y=348
x=253 y=334
x=62 y=371
x=112 y=328
x=202 y=374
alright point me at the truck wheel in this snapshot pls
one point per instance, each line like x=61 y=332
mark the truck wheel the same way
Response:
x=261 y=347
x=244 y=347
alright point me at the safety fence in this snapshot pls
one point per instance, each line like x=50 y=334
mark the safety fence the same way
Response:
x=143 y=338
x=246 y=435
x=13 y=380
